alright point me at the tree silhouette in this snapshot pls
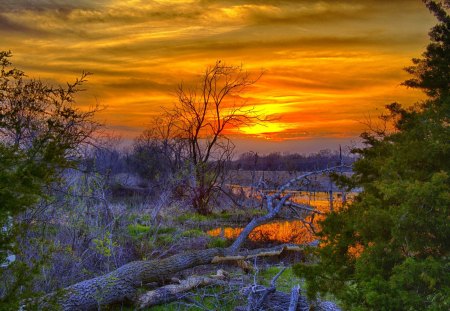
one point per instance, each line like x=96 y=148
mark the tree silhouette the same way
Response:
x=389 y=250
x=197 y=128
x=41 y=133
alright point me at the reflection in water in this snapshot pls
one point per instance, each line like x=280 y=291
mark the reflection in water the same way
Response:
x=286 y=231
x=294 y=231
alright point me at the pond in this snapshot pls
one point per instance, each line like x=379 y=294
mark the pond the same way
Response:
x=290 y=231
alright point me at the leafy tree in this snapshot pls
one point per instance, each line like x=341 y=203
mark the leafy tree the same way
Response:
x=41 y=132
x=431 y=73
x=389 y=250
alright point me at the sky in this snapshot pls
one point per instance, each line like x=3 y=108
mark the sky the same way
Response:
x=329 y=66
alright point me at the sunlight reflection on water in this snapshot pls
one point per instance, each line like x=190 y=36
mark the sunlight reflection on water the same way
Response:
x=292 y=231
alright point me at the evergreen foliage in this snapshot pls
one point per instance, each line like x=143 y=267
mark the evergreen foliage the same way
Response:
x=41 y=132
x=389 y=250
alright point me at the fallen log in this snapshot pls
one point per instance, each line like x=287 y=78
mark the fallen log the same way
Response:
x=173 y=292
x=260 y=252
x=269 y=299
x=122 y=284
x=280 y=301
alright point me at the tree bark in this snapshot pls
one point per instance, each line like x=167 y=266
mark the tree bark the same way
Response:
x=173 y=292
x=279 y=301
x=295 y=294
x=122 y=284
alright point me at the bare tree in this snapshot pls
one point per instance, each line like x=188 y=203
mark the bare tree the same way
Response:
x=196 y=128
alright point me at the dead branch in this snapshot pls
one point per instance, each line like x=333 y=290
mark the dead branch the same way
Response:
x=275 y=202
x=122 y=284
x=260 y=252
x=295 y=294
x=268 y=298
x=174 y=292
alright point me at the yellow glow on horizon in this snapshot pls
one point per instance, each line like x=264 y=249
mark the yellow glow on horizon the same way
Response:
x=327 y=65
x=260 y=129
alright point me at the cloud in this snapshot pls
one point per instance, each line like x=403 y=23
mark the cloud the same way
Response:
x=10 y=26
x=58 y=5
x=327 y=62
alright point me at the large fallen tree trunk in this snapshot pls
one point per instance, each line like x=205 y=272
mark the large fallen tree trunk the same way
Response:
x=122 y=284
x=173 y=292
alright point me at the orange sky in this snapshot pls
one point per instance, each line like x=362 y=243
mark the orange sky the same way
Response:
x=329 y=65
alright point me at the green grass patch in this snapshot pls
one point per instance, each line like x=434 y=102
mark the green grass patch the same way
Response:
x=168 y=307
x=193 y=233
x=218 y=242
x=193 y=217
x=285 y=282
x=165 y=239
x=138 y=231
x=165 y=230
x=226 y=215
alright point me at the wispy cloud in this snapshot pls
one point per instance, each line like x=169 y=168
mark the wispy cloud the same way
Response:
x=328 y=63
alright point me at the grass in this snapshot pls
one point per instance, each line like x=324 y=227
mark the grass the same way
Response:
x=218 y=242
x=193 y=217
x=165 y=239
x=218 y=298
x=284 y=283
x=137 y=231
x=193 y=233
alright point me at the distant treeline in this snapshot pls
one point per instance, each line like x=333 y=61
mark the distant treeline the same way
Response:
x=151 y=164
x=291 y=161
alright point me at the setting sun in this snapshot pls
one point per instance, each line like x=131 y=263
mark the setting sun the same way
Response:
x=327 y=66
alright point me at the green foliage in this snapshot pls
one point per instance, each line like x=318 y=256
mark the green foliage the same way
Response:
x=40 y=135
x=431 y=73
x=40 y=132
x=166 y=307
x=165 y=239
x=137 y=231
x=193 y=233
x=389 y=249
x=166 y=230
x=194 y=217
x=217 y=242
x=104 y=246
x=285 y=282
